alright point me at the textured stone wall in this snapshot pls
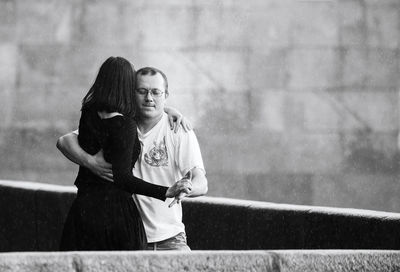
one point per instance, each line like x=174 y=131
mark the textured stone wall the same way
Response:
x=293 y=101
x=197 y=261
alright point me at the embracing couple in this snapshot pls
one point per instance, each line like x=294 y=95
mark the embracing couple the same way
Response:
x=135 y=164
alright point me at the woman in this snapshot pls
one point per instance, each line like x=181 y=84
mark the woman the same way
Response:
x=104 y=216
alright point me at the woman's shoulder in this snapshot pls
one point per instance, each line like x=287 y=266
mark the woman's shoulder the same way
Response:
x=89 y=117
x=116 y=119
x=112 y=117
x=108 y=115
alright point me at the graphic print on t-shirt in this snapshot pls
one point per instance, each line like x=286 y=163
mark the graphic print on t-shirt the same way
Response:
x=157 y=156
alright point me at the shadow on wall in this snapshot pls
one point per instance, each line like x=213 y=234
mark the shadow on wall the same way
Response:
x=364 y=154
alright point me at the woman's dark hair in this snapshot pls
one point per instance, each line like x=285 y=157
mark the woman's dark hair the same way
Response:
x=112 y=91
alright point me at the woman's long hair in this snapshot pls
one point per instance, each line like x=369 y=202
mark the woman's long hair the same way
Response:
x=112 y=91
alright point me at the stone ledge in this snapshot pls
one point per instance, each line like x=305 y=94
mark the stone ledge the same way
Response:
x=28 y=185
x=226 y=224
x=273 y=261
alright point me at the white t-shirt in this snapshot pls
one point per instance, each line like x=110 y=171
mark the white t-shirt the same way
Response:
x=165 y=158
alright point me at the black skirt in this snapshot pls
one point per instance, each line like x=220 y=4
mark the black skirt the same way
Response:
x=103 y=217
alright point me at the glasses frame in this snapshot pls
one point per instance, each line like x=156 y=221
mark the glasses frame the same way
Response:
x=149 y=91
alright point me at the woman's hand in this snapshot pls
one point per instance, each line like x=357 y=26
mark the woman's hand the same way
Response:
x=176 y=119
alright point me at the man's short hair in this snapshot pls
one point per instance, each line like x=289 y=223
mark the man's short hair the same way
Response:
x=152 y=71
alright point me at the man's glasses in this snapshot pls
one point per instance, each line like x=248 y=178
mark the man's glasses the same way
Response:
x=154 y=92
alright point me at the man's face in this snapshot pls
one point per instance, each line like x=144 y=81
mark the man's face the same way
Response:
x=148 y=104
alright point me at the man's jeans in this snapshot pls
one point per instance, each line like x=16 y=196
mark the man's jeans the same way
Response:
x=178 y=242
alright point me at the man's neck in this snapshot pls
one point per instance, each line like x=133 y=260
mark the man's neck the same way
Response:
x=146 y=124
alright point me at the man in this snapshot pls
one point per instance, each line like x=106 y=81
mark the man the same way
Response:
x=166 y=157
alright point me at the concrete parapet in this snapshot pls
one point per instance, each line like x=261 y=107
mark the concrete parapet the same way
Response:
x=272 y=261
x=220 y=223
x=32 y=216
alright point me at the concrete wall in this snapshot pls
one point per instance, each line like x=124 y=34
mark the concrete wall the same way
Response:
x=293 y=101
x=223 y=261
x=33 y=214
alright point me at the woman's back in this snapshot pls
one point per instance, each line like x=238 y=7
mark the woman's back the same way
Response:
x=93 y=136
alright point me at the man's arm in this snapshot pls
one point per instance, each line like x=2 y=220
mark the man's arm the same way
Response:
x=188 y=158
x=69 y=146
x=199 y=183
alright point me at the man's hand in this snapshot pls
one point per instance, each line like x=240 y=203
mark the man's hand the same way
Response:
x=183 y=186
x=98 y=166
x=186 y=182
x=68 y=144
